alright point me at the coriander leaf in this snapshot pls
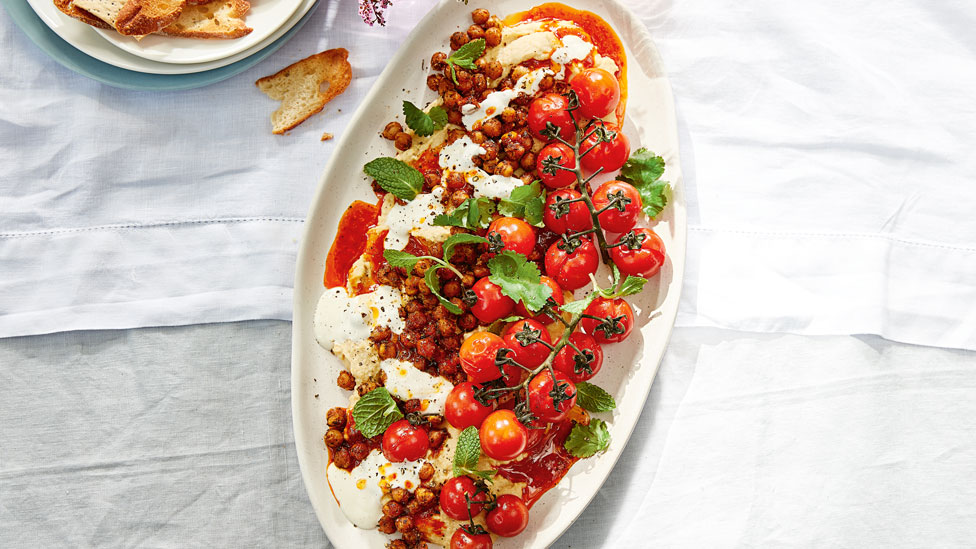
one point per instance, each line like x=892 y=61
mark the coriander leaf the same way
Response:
x=396 y=258
x=525 y=202
x=461 y=238
x=654 y=197
x=423 y=123
x=578 y=306
x=519 y=279
x=375 y=411
x=630 y=286
x=395 y=176
x=642 y=167
x=593 y=398
x=586 y=440
x=434 y=283
x=471 y=214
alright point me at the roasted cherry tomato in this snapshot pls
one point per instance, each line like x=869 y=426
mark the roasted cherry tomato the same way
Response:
x=525 y=338
x=574 y=217
x=627 y=206
x=478 y=354
x=598 y=92
x=557 y=296
x=579 y=366
x=644 y=259
x=502 y=436
x=404 y=442
x=610 y=154
x=551 y=108
x=513 y=234
x=464 y=540
x=609 y=331
x=452 y=498
x=541 y=402
x=509 y=517
x=462 y=410
x=491 y=304
x=572 y=270
x=551 y=176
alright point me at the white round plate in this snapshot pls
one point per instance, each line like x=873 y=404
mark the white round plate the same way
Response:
x=632 y=364
x=265 y=17
x=86 y=39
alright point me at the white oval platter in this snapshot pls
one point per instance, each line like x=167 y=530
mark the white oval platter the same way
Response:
x=630 y=366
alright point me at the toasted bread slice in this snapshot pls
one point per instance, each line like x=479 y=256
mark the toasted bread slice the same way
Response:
x=134 y=17
x=298 y=87
x=215 y=19
x=71 y=10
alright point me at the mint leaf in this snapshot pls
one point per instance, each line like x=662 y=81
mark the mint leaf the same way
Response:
x=375 y=411
x=525 y=202
x=643 y=170
x=396 y=258
x=467 y=453
x=586 y=440
x=462 y=238
x=593 y=398
x=578 y=306
x=519 y=279
x=422 y=123
x=434 y=283
x=630 y=286
x=465 y=56
x=471 y=214
x=396 y=177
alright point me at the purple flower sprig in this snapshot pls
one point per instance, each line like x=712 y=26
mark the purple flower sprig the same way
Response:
x=372 y=11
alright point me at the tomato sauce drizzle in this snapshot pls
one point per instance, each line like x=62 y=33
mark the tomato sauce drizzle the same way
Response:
x=547 y=463
x=350 y=241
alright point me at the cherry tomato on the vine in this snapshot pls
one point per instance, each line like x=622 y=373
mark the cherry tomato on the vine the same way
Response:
x=556 y=154
x=579 y=367
x=525 y=338
x=491 y=304
x=576 y=219
x=502 y=435
x=462 y=410
x=478 y=354
x=551 y=108
x=614 y=330
x=609 y=155
x=598 y=92
x=452 y=498
x=541 y=402
x=627 y=206
x=509 y=517
x=404 y=442
x=557 y=296
x=513 y=233
x=572 y=269
x=646 y=259
x=464 y=540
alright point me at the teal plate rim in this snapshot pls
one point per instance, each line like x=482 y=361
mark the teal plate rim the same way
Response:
x=71 y=58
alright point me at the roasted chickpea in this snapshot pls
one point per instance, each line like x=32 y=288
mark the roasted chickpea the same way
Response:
x=336 y=418
x=404 y=524
x=467 y=281
x=437 y=61
x=366 y=387
x=459 y=39
x=403 y=141
x=480 y=83
x=411 y=536
x=494 y=70
x=436 y=438
x=458 y=198
x=342 y=459
x=518 y=72
x=397 y=544
x=480 y=16
x=432 y=179
x=433 y=82
x=494 y=21
x=392 y=509
x=493 y=37
x=386 y=525
x=413 y=507
x=391 y=130
x=547 y=83
x=426 y=473
x=475 y=32
x=455 y=180
x=425 y=496
x=451 y=289
x=528 y=161
x=505 y=168
x=346 y=381
x=467 y=322
x=452 y=99
x=333 y=438
x=454 y=117
x=477 y=137
x=492 y=127
x=400 y=495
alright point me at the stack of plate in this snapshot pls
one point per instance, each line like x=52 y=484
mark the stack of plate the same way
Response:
x=158 y=62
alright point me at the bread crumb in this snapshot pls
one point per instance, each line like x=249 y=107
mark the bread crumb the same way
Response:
x=327 y=136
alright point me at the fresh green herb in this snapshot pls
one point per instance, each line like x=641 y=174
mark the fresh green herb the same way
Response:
x=404 y=260
x=630 y=286
x=643 y=170
x=408 y=261
x=473 y=213
x=519 y=279
x=396 y=177
x=434 y=283
x=460 y=238
x=465 y=56
x=593 y=398
x=467 y=454
x=424 y=123
x=374 y=412
x=526 y=202
x=586 y=440
x=578 y=306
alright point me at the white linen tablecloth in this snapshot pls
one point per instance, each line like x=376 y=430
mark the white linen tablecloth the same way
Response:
x=826 y=153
